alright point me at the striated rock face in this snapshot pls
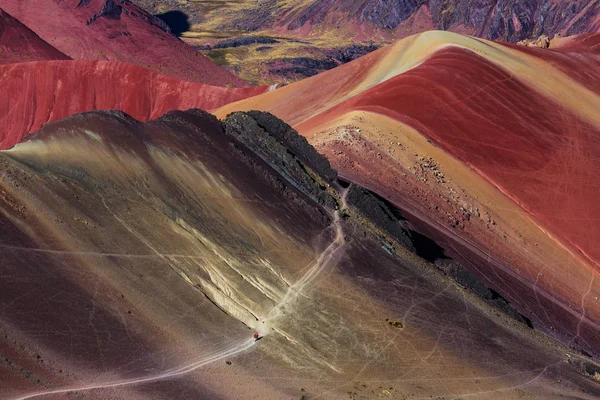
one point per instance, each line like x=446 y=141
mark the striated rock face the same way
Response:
x=376 y=19
x=290 y=139
x=48 y=91
x=388 y=14
x=513 y=21
x=504 y=19
x=117 y=30
x=19 y=44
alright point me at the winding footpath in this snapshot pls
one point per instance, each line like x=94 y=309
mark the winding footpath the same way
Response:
x=323 y=260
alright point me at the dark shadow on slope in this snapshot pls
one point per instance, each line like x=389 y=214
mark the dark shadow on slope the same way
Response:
x=343 y=183
x=177 y=21
x=426 y=248
x=430 y=250
x=497 y=297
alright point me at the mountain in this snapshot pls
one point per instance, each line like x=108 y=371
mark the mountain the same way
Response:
x=19 y=44
x=117 y=30
x=376 y=19
x=51 y=90
x=489 y=19
x=311 y=36
x=489 y=148
x=138 y=259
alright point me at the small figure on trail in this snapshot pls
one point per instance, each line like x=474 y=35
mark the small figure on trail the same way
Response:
x=256 y=336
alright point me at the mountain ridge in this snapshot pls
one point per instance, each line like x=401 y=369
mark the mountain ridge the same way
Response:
x=117 y=30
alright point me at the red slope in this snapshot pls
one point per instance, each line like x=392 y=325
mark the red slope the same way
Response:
x=126 y=34
x=51 y=90
x=577 y=56
x=18 y=43
x=543 y=159
x=536 y=152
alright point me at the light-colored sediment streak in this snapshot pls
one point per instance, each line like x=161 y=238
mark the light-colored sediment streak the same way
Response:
x=320 y=264
x=294 y=291
x=221 y=354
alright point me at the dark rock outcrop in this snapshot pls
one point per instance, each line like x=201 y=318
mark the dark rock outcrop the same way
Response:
x=370 y=206
x=304 y=66
x=294 y=159
x=113 y=9
x=110 y=9
x=286 y=135
x=351 y=53
x=388 y=14
x=285 y=151
x=470 y=281
x=244 y=41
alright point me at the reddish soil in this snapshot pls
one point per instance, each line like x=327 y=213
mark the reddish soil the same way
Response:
x=541 y=158
x=584 y=68
x=123 y=33
x=536 y=152
x=51 y=90
x=18 y=43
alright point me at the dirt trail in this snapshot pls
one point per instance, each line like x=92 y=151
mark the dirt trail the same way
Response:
x=221 y=354
x=317 y=267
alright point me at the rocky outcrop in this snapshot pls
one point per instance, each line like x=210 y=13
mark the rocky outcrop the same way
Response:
x=374 y=209
x=542 y=42
x=294 y=159
x=286 y=151
x=352 y=52
x=110 y=9
x=243 y=41
x=506 y=20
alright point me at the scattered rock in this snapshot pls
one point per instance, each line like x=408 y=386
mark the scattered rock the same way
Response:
x=395 y=324
x=542 y=42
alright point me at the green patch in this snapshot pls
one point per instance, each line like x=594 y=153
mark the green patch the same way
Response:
x=218 y=56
